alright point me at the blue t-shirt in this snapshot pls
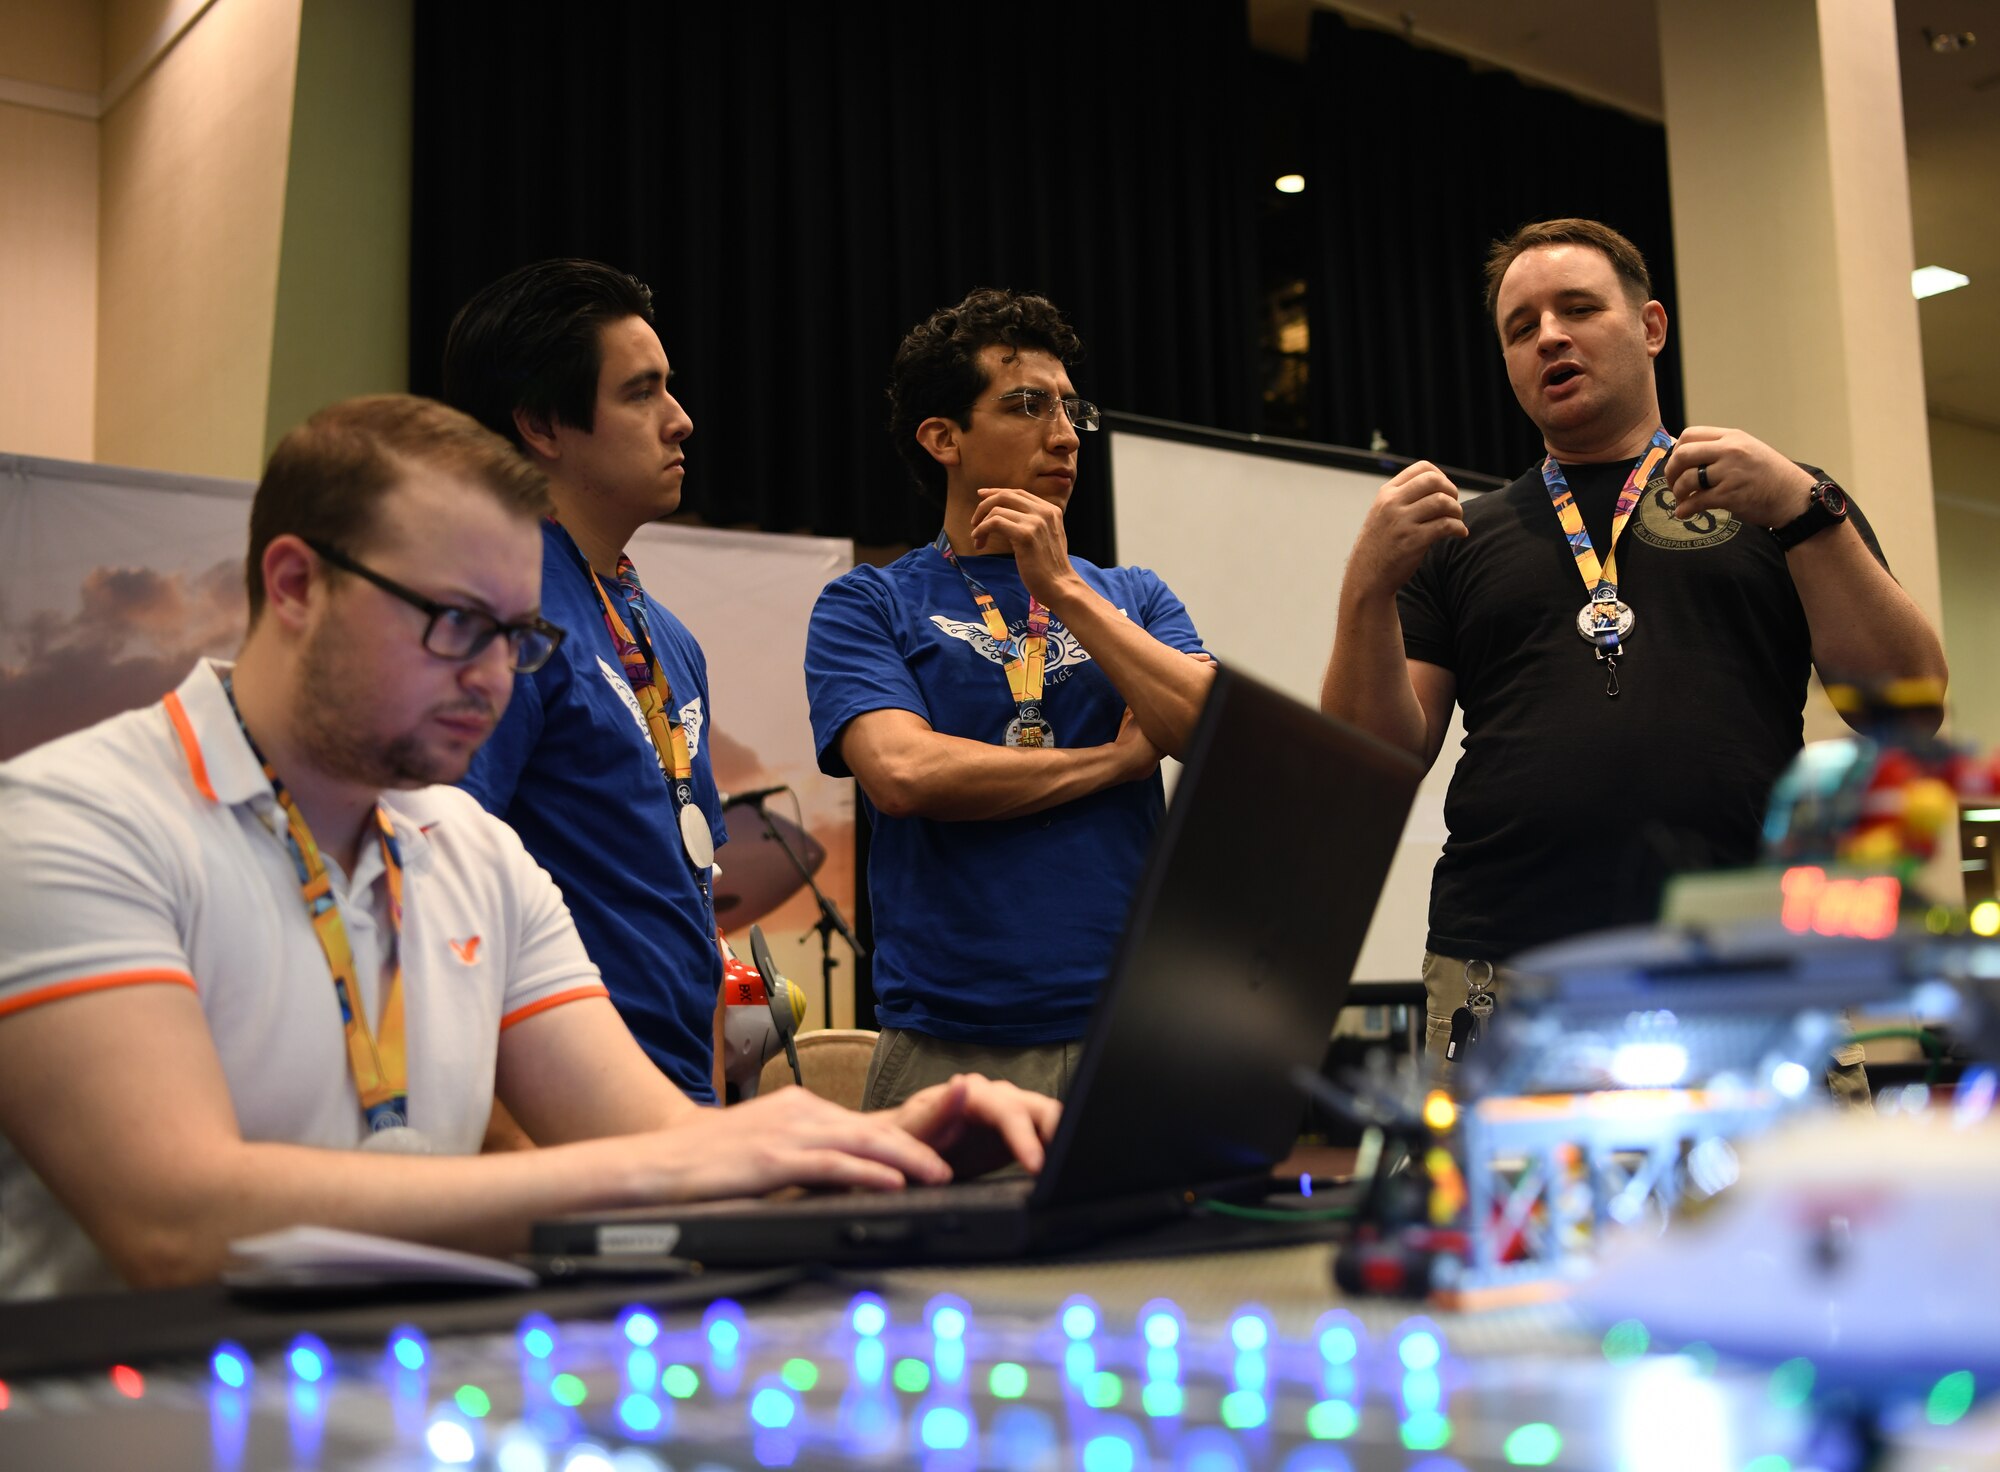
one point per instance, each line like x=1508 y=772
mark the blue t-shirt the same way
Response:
x=572 y=769
x=996 y=932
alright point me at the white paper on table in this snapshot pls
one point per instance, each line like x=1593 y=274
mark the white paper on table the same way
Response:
x=327 y=1257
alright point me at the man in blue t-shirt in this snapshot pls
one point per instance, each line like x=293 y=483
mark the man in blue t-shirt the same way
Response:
x=600 y=763
x=1004 y=707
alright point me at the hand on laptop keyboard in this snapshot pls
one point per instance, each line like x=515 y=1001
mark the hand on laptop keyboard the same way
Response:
x=795 y=1138
x=979 y=1124
x=790 y=1137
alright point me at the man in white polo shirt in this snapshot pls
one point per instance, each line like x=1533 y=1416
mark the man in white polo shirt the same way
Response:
x=257 y=969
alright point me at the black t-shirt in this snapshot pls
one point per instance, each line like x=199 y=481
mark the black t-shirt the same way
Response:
x=1568 y=809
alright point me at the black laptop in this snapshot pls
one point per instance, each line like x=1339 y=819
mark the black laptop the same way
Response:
x=1236 y=957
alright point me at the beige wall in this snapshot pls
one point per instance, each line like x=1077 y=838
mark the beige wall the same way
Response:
x=54 y=43
x=1792 y=247
x=48 y=229
x=1965 y=464
x=133 y=29
x=193 y=186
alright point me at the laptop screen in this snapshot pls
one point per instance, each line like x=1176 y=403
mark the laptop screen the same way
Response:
x=1238 y=951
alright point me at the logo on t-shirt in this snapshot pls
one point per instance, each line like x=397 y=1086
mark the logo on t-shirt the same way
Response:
x=693 y=718
x=1063 y=657
x=1656 y=523
x=616 y=680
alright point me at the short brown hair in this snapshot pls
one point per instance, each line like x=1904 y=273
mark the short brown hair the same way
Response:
x=326 y=476
x=1622 y=253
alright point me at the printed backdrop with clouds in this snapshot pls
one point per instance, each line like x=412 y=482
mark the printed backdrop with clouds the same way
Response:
x=113 y=582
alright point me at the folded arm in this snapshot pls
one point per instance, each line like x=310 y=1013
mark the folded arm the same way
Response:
x=909 y=770
x=1165 y=688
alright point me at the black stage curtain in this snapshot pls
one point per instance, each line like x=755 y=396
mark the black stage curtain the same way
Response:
x=1415 y=163
x=800 y=183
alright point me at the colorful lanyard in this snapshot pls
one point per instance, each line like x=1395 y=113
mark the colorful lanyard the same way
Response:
x=1601 y=581
x=1025 y=656
x=380 y=1065
x=656 y=703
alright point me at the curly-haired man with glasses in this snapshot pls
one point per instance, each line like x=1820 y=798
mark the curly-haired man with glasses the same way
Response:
x=1004 y=707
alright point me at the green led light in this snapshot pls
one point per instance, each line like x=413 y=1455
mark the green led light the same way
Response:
x=1701 y=1356
x=473 y=1401
x=801 y=1375
x=1103 y=1391
x=1791 y=1384
x=1332 y=1420
x=1980 y=815
x=1949 y=1399
x=1626 y=1341
x=1161 y=1398
x=1534 y=1445
x=912 y=1377
x=679 y=1381
x=1242 y=1409
x=568 y=1390
x=1772 y=1463
x=1426 y=1431
x=1007 y=1381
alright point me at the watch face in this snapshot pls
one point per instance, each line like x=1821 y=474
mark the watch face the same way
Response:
x=1831 y=496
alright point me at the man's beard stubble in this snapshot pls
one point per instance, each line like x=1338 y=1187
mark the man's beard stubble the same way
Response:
x=331 y=692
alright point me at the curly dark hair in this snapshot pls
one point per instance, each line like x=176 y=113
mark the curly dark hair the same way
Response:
x=936 y=372
x=530 y=341
x=1623 y=254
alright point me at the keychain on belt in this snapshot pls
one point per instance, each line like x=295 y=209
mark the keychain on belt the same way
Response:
x=1467 y=1020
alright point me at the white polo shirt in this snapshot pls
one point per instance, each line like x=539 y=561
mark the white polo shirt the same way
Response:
x=149 y=850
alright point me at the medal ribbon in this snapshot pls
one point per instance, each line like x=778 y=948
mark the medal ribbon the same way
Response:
x=649 y=684
x=1025 y=656
x=380 y=1065
x=1601 y=581
x=644 y=675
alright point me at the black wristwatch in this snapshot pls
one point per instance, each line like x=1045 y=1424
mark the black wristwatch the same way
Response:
x=1828 y=507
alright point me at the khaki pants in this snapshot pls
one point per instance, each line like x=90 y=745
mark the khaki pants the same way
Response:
x=1445 y=992
x=907 y=1062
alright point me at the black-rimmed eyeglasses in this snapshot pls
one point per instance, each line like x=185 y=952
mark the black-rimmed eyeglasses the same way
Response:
x=457 y=632
x=1039 y=403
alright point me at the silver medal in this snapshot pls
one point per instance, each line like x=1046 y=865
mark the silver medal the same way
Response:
x=1599 y=622
x=695 y=834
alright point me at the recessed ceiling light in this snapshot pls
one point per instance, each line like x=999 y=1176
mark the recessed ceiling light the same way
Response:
x=1930 y=280
x=1291 y=183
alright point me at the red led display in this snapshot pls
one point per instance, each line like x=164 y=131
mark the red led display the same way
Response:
x=1864 y=906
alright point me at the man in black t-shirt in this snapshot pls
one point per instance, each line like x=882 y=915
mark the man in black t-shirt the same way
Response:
x=1628 y=627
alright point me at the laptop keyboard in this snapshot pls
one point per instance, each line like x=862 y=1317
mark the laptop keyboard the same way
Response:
x=958 y=1196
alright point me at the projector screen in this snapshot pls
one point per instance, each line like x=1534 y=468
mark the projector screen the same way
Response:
x=1255 y=543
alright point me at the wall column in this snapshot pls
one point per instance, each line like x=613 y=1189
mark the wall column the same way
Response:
x=1792 y=235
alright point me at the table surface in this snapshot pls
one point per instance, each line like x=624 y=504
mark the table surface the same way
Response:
x=1206 y=1362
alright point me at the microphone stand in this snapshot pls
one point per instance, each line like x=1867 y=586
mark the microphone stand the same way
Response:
x=830 y=922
